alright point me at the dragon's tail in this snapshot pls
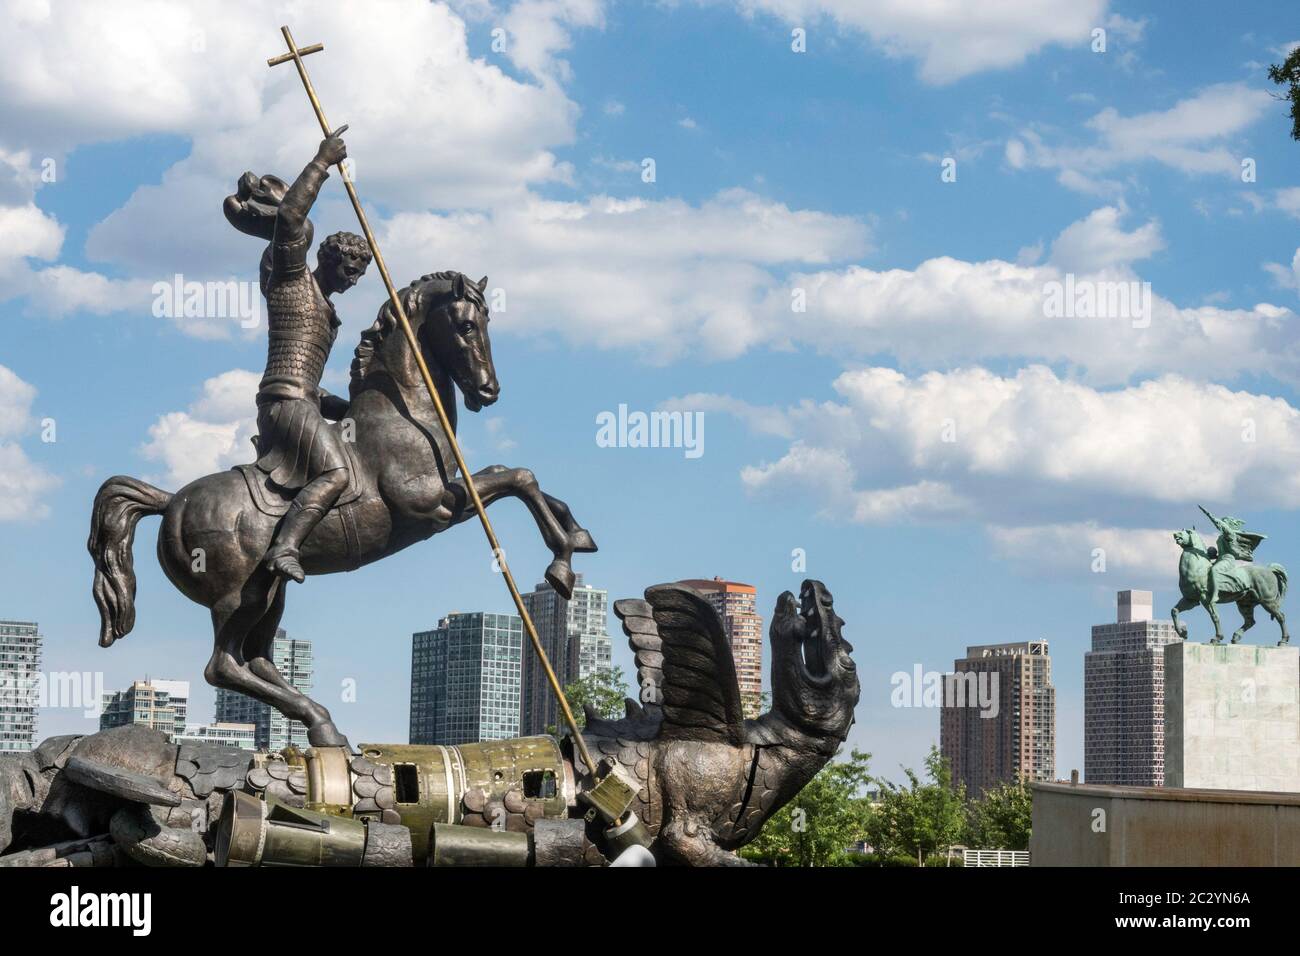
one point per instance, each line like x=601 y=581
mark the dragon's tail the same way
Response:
x=119 y=506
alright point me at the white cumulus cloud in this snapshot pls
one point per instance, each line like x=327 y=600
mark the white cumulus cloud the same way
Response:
x=952 y=40
x=23 y=483
x=213 y=434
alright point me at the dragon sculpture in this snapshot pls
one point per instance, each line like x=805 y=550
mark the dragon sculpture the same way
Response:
x=700 y=778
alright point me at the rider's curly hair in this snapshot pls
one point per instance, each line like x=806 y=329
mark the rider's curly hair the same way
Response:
x=341 y=244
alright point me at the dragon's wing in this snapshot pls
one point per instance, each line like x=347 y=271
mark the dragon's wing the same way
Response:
x=684 y=669
x=692 y=667
x=647 y=646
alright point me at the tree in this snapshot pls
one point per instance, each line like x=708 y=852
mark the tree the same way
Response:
x=1000 y=820
x=818 y=825
x=922 y=817
x=602 y=690
x=1289 y=73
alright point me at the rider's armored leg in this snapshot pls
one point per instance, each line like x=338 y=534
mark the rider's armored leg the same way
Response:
x=306 y=511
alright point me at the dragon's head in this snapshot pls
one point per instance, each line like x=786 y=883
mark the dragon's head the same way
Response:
x=814 y=680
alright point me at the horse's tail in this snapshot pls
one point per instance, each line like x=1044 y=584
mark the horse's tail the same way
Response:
x=1280 y=573
x=119 y=506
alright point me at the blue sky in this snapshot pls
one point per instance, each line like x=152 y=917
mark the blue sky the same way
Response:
x=775 y=171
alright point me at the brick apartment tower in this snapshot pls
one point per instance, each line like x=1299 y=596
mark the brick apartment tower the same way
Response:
x=737 y=604
x=1018 y=742
x=1124 y=696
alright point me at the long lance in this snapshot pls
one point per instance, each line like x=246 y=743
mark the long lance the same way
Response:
x=296 y=54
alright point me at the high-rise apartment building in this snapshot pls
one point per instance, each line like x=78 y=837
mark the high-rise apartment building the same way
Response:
x=272 y=729
x=465 y=679
x=737 y=604
x=575 y=636
x=998 y=722
x=160 y=704
x=20 y=666
x=1124 y=696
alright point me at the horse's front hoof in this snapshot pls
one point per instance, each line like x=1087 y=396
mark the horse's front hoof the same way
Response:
x=561 y=577
x=582 y=541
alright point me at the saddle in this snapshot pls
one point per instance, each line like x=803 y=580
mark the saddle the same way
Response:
x=272 y=499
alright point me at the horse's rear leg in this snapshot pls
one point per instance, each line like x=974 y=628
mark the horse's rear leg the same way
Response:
x=259 y=645
x=1247 y=620
x=233 y=620
x=1276 y=611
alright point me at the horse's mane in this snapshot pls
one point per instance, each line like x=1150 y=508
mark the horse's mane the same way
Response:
x=414 y=299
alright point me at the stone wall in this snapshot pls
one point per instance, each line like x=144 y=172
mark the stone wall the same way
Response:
x=1081 y=825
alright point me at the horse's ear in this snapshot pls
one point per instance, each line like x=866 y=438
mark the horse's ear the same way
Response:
x=458 y=286
x=482 y=284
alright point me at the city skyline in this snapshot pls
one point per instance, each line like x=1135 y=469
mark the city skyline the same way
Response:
x=1144 y=606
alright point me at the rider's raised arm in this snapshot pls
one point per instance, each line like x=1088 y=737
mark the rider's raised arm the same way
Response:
x=292 y=235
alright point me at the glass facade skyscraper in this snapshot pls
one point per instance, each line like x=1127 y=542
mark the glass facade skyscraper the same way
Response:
x=465 y=679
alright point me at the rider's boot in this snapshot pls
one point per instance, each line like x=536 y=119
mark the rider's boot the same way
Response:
x=284 y=557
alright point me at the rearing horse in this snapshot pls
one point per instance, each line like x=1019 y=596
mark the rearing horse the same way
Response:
x=215 y=530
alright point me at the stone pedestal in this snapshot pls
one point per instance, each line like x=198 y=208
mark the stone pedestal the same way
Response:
x=1232 y=717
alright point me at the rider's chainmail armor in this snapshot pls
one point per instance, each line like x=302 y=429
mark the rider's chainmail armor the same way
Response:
x=302 y=331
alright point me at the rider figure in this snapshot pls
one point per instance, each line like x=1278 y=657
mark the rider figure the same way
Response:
x=295 y=446
x=1234 y=544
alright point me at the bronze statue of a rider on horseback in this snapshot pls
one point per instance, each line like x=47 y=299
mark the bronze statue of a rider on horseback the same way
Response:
x=1226 y=573
x=315 y=503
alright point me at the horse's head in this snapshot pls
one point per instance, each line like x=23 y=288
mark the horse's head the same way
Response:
x=449 y=317
x=1189 y=540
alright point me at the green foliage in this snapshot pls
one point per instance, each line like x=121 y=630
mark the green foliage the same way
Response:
x=755 y=704
x=816 y=827
x=879 y=859
x=1289 y=73
x=921 y=818
x=604 y=691
x=1000 y=820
